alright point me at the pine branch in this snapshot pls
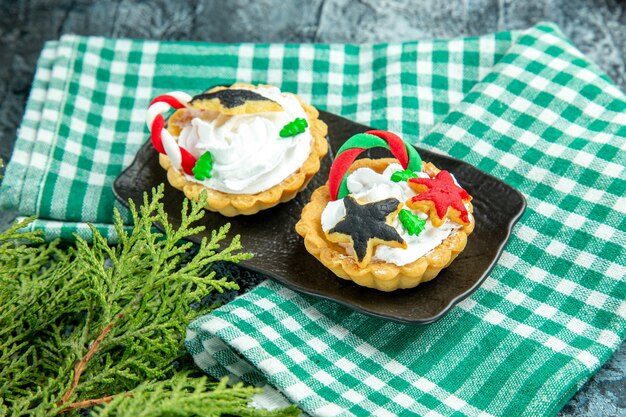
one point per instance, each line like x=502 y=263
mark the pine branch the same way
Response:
x=80 y=365
x=91 y=403
x=91 y=323
x=87 y=403
x=183 y=395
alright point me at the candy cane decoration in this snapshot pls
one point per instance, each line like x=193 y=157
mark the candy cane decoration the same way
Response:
x=161 y=139
x=404 y=152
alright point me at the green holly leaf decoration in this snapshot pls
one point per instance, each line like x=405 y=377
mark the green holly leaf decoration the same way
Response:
x=293 y=128
x=411 y=222
x=403 y=175
x=203 y=167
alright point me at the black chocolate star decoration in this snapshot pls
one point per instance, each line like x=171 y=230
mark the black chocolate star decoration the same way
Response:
x=231 y=98
x=234 y=101
x=366 y=225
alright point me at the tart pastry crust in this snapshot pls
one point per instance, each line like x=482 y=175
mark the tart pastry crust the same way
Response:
x=381 y=275
x=235 y=204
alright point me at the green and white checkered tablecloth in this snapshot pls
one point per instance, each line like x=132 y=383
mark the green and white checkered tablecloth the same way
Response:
x=85 y=117
x=524 y=106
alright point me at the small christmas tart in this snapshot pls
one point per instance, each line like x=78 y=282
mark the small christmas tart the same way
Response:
x=386 y=223
x=249 y=147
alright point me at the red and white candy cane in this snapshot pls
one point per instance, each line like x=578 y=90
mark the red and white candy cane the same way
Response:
x=404 y=152
x=161 y=139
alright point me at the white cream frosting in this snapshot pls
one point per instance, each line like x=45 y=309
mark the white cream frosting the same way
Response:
x=366 y=185
x=248 y=154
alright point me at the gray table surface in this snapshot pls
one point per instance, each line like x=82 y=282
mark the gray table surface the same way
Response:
x=597 y=28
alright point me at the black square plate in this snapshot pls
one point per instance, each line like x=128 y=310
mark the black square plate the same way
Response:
x=280 y=254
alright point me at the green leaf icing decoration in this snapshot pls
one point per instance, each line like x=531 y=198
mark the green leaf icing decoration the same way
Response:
x=403 y=175
x=293 y=128
x=203 y=167
x=411 y=222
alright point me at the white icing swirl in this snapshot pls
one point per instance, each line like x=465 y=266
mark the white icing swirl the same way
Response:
x=248 y=154
x=367 y=185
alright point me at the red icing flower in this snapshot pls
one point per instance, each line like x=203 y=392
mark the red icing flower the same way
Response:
x=441 y=198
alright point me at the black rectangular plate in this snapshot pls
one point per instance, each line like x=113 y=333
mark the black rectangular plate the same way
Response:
x=279 y=251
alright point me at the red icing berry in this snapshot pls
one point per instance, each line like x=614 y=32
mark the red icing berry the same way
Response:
x=443 y=192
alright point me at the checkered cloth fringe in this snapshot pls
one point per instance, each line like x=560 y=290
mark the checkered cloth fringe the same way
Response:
x=524 y=106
